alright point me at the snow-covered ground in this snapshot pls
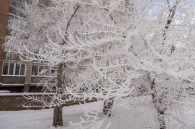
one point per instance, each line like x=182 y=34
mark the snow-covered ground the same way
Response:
x=137 y=114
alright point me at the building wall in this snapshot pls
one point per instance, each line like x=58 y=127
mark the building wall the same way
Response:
x=4 y=10
x=15 y=83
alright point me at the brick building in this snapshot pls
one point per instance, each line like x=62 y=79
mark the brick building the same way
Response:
x=17 y=76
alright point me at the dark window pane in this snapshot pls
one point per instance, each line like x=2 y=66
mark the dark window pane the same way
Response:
x=45 y=2
x=21 y=4
x=34 y=70
x=11 y=69
x=22 y=69
x=18 y=3
x=17 y=69
x=13 y=3
x=5 y=68
x=54 y=71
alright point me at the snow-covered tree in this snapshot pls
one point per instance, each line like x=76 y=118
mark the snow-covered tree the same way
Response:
x=153 y=41
x=31 y=46
x=112 y=49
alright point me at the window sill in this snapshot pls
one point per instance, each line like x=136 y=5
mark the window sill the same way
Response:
x=41 y=76
x=13 y=75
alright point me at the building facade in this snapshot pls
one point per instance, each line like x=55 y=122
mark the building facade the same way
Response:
x=15 y=75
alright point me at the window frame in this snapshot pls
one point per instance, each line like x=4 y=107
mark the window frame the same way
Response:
x=18 y=5
x=22 y=23
x=44 y=66
x=14 y=70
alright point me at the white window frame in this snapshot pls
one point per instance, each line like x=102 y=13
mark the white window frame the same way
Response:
x=38 y=73
x=14 y=69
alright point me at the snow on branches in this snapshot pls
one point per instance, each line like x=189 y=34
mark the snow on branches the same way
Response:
x=115 y=49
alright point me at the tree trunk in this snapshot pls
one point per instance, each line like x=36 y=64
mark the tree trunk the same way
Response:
x=108 y=106
x=160 y=110
x=57 y=117
x=60 y=88
x=158 y=104
x=161 y=119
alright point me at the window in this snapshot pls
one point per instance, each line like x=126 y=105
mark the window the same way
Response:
x=13 y=3
x=11 y=69
x=40 y=51
x=45 y=2
x=54 y=71
x=17 y=24
x=40 y=70
x=16 y=69
x=35 y=70
x=23 y=5
x=5 y=68
x=22 y=69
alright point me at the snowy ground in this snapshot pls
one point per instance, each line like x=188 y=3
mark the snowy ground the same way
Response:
x=139 y=115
